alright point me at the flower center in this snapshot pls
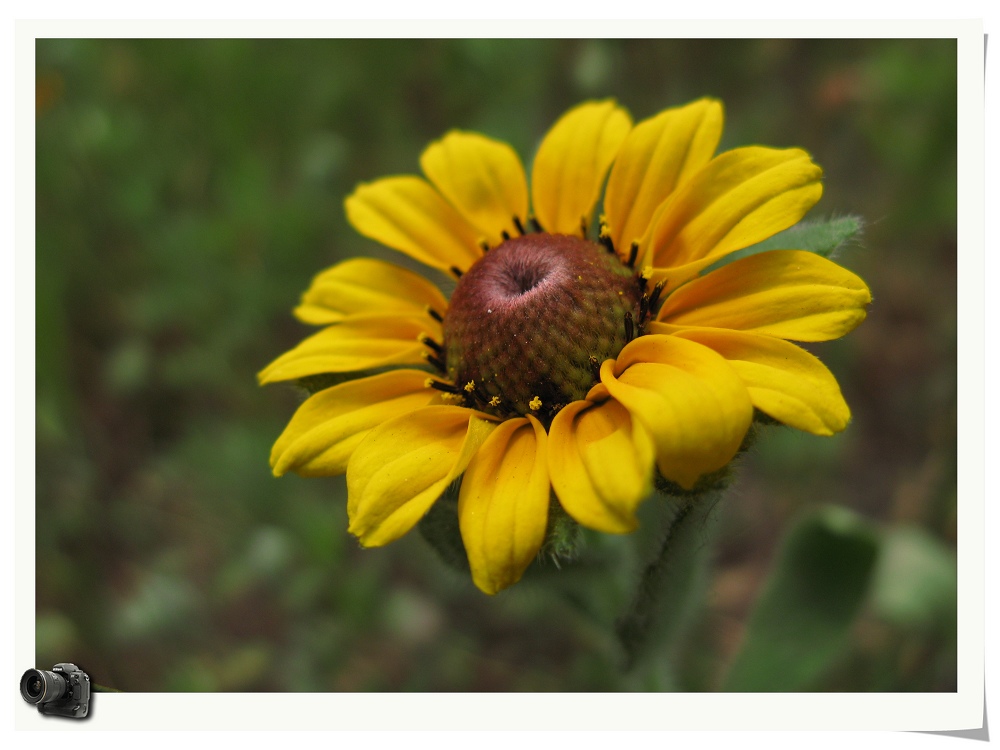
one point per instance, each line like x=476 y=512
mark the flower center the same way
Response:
x=530 y=323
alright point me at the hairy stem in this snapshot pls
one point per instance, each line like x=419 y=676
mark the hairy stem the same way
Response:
x=667 y=585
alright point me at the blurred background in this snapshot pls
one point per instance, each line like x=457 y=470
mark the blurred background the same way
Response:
x=188 y=190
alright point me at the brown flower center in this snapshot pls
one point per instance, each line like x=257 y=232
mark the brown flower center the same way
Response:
x=529 y=324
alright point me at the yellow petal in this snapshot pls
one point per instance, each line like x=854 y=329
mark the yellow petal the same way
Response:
x=407 y=214
x=503 y=505
x=791 y=294
x=739 y=198
x=601 y=464
x=659 y=154
x=784 y=381
x=365 y=286
x=404 y=465
x=571 y=163
x=692 y=402
x=356 y=344
x=329 y=425
x=482 y=178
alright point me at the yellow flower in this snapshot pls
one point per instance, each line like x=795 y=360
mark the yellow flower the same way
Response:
x=561 y=363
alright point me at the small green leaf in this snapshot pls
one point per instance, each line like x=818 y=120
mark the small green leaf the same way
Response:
x=823 y=237
x=563 y=537
x=802 y=619
x=916 y=582
x=440 y=529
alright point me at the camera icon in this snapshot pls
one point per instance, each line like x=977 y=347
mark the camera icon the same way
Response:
x=63 y=691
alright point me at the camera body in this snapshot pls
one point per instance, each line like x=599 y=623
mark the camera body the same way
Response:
x=63 y=691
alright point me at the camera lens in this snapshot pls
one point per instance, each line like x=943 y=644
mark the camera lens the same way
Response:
x=42 y=686
x=34 y=686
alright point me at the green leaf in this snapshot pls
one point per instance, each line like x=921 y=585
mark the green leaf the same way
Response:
x=916 y=582
x=802 y=619
x=563 y=536
x=440 y=529
x=823 y=237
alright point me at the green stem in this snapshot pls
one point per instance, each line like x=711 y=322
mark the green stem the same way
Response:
x=666 y=586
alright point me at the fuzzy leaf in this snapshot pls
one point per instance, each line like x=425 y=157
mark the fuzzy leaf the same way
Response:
x=823 y=237
x=439 y=528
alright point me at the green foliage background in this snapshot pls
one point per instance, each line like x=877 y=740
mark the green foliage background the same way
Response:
x=188 y=190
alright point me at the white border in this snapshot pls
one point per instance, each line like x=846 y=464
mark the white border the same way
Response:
x=584 y=711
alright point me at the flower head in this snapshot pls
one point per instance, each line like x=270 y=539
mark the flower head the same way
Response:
x=567 y=360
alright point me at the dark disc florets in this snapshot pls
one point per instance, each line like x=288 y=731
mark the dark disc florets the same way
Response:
x=529 y=324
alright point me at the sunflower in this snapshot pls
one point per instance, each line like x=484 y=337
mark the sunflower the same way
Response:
x=584 y=362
